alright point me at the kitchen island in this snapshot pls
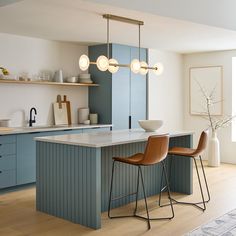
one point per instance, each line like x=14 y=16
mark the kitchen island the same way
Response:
x=74 y=172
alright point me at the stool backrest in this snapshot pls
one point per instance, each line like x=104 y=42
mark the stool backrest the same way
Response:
x=202 y=144
x=156 y=149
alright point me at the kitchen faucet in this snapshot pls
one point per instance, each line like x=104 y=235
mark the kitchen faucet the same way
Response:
x=31 y=120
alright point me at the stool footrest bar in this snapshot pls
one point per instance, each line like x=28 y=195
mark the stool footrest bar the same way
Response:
x=120 y=197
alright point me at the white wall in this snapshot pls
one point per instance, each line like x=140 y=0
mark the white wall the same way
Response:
x=166 y=91
x=23 y=54
x=196 y=123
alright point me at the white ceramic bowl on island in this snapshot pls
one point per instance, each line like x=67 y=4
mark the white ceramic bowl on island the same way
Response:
x=150 y=125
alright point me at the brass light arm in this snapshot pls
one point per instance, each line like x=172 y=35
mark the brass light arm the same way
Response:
x=127 y=65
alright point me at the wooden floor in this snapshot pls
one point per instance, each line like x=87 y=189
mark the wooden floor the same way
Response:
x=19 y=217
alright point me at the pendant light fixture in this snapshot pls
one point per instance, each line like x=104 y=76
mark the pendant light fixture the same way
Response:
x=105 y=63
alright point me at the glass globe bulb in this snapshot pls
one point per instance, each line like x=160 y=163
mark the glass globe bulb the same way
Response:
x=143 y=71
x=102 y=63
x=84 y=62
x=160 y=68
x=135 y=66
x=112 y=68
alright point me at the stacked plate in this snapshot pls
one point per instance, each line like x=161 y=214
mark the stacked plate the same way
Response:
x=85 y=79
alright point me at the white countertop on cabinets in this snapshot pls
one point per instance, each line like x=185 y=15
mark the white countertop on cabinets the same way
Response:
x=108 y=138
x=22 y=130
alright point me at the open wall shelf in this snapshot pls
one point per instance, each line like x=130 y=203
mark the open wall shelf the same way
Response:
x=46 y=83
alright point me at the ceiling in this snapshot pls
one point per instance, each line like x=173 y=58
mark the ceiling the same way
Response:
x=183 y=26
x=210 y=12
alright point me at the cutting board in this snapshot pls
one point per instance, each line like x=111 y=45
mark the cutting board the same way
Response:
x=60 y=112
x=68 y=109
x=5 y=129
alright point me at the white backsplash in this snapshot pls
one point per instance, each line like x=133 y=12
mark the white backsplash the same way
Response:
x=24 y=54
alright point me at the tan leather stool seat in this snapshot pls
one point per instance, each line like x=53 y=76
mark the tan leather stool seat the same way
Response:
x=133 y=160
x=181 y=151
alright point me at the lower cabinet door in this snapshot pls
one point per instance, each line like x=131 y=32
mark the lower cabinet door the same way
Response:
x=8 y=162
x=7 y=178
x=26 y=159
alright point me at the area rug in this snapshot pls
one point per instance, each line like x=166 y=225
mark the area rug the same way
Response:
x=224 y=225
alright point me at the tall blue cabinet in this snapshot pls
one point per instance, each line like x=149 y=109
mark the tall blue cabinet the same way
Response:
x=120 y=95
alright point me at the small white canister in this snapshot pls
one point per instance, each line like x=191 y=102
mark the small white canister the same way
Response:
x=93 y=118
x=83 y=114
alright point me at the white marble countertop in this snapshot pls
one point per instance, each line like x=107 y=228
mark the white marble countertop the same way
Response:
x=108 y=138
x=20 y=130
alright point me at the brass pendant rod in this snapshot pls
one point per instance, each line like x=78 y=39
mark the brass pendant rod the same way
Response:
x=139 y=42
x=111 y=64
x=120 y=65
x=149 y=67
x=123 y=19
x=108 y=33
x=127 y=65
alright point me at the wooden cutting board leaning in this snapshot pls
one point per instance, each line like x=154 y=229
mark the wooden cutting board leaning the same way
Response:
x=62 y=111
x=68 y=110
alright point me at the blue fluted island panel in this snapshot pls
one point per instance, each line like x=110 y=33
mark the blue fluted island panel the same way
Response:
x=74 y=171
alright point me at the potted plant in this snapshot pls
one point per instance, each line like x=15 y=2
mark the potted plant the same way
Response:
x=4 y=71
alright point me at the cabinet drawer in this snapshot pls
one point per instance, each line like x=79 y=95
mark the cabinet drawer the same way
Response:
x=7 y=178
x=7 y=139
x=7 y=162
x=7 y=149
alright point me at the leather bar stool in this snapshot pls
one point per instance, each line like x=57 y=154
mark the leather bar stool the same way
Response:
x=155 y=152
x=192 y=153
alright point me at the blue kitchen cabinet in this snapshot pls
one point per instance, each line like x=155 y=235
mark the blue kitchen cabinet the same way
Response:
x=18 y=155
x=26 y=154
x=26 y=161
x=121 y=88
x=138 y=88
x=7 y=161
x=121 y=94
x=100 y=98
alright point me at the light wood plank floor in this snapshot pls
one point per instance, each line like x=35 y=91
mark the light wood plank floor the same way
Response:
x=19 y=217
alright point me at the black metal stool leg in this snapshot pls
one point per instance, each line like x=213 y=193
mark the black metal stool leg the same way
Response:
x=200 y=186
x=120 y=197
x=140 y=175
x=109 y=205
x=145 y=199
x=136 y=202
x=163 y=188
x=203 y=171
x=168 y=190
x=201 y=190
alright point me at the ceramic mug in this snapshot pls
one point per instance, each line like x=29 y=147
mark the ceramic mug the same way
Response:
x=83 y=114
x=93 y=118
x=58 y=77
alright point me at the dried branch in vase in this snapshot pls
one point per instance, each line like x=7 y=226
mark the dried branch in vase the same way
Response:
x=214 y=122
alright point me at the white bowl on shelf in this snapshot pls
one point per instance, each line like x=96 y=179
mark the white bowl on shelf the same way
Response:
x=72 y=79
x=150 y=125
